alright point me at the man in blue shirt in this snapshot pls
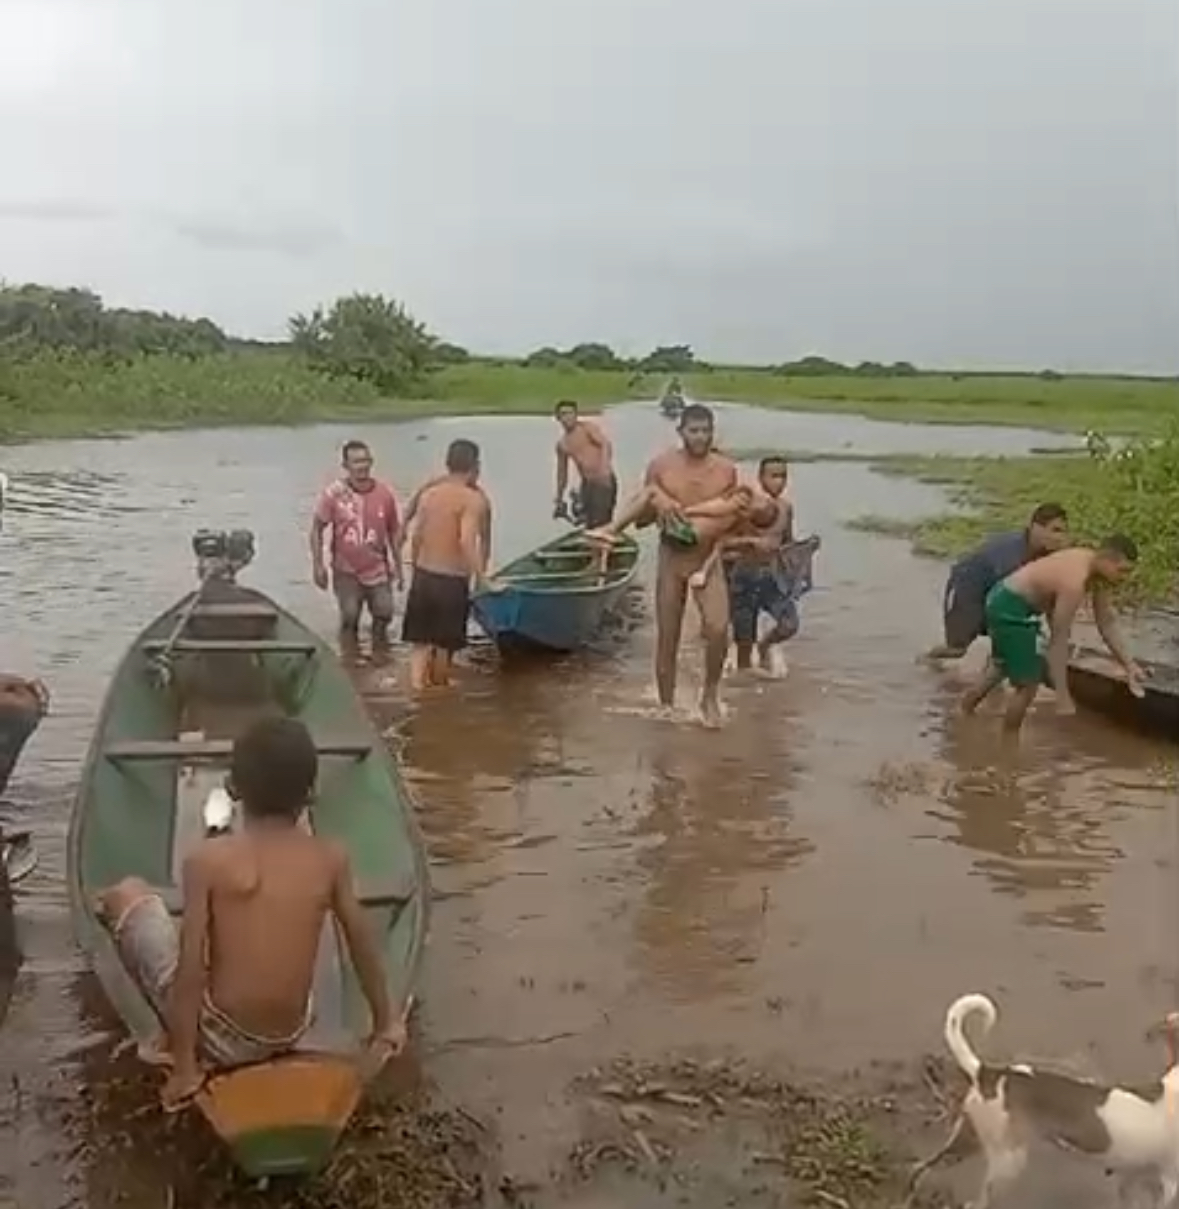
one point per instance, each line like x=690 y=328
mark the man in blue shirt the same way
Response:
x=976 y=573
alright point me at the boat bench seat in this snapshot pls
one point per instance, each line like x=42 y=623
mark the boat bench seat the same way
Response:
x=217 y=749
x=248 y=646
x=391 y=892
x=245 y=611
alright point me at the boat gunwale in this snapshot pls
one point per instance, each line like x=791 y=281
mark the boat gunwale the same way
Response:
x=558 y=589
x=91 y=935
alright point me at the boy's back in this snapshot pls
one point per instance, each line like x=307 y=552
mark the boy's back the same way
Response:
x=269 y=892
x=234 y=986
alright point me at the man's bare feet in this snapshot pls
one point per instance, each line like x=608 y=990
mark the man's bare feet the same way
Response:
x=710 y=712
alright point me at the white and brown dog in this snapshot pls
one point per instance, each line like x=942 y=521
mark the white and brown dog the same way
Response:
x=1130 y=1131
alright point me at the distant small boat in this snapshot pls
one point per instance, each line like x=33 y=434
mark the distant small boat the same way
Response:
x=1098 y=683
x=672 y=401
x=151 y=787
x=555 y=598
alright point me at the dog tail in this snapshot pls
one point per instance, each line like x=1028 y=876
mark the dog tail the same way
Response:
x=960 y=1010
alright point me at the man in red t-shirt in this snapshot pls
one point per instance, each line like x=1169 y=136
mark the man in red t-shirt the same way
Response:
x=360 y=513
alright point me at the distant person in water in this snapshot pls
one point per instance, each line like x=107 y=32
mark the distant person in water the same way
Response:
x=1052 y=587
x=974 y=575
x=359 y=513
x=234 y=986
x=692 y=495
x=450 y=545
x=583 y=443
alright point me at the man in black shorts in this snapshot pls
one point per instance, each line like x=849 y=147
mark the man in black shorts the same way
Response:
x=449 y=548
x=975 y=574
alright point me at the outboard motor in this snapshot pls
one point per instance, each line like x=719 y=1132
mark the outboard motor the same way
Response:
x=217 y=812
x=221 y=554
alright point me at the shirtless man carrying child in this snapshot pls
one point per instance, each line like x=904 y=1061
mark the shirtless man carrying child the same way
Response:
x=234 y=985
x=1053 y=586
x=692 y=495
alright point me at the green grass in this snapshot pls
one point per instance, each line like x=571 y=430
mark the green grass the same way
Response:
x=1137 y=494
x=1113 y=405
x=67 y=394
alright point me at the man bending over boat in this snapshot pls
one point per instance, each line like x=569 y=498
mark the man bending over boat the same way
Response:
x=976 y=573
x=583 y=443
x=1051 y=587
x=449 y=548
x=692 y=495
x=234 y=985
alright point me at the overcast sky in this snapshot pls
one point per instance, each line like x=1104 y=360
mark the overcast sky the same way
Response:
x=975 y=182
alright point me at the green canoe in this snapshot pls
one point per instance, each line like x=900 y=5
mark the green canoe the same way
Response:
x=162 y=744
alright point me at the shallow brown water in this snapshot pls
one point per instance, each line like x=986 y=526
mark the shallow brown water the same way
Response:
x=807 y=888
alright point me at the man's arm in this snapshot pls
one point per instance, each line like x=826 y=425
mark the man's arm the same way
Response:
x=1064 y=611
x=562 y=473
x=393 y=537
x=1107 y=627
x=362 y=948
x=486 y=533
x=188 y=987
x=664 y=503
x=471 y=529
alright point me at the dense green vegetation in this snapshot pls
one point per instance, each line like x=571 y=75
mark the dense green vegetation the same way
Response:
x=1134 y=490
x=69 y=365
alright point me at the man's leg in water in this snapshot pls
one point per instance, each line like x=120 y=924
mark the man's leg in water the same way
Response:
x=743 y=605
x=349 y=599
x=379 y=598
x=962 y=623
x=1018 y=706
x=983 y=687
x=440 y=667
x=671 y=594
x=421 y=667
x=783 y=609
x=713 y=602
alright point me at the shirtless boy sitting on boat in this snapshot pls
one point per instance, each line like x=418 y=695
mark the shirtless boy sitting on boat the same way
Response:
x=1054 y=587
x=234 y=986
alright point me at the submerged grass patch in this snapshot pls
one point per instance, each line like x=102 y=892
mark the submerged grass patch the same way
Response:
x=1134 y=491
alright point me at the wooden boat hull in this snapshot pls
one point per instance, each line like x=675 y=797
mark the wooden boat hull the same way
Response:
x=1099 y=684
x=553 y=598
x=157 y=750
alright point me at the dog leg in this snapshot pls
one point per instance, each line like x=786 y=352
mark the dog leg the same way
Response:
x=1170 y=1189
x=950 y=1144
x=1004 y=1167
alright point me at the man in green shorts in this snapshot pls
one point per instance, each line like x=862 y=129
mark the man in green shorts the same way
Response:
x=1051 y=587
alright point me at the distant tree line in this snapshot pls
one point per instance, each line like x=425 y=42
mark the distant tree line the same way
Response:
x=369 y=337
x=38 y=317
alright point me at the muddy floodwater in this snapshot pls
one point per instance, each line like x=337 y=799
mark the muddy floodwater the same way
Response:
x=628 y=911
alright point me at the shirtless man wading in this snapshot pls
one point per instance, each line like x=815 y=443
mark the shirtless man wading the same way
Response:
x=1053 y=586
x=449 y=547
x=678 y=483
x=585 y=445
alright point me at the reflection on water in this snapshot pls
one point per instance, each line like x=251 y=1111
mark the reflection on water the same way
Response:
x=609 y=883
x=715 y=832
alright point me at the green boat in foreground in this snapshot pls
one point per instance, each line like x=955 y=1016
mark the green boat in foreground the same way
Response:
x=151 y=788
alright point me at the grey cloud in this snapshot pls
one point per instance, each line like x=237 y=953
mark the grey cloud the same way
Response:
x=286 y=240
x=985 y=182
